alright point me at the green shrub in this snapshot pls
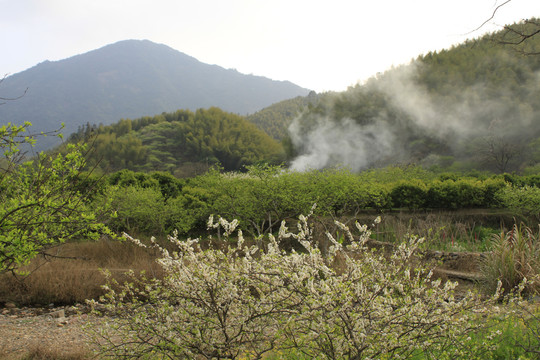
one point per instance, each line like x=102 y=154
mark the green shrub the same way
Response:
x=139 y=210
x=410 y=194
x=523 y=201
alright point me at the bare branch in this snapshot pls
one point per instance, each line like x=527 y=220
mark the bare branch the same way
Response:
x=5 y=99
x=492 y=16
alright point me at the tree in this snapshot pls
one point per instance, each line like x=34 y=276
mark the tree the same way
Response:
x=45 y=200
x=244 y=302
x=520 y=36
x=4 y=99
x=497 y=149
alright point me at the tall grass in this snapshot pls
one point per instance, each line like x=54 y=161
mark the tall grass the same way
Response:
x=514 y=256
x=74 y=274
x=444 y=231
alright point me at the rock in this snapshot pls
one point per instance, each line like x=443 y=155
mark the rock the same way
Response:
x=10 y=305
x=58 y=314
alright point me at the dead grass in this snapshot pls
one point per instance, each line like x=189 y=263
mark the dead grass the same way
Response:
x=75 y=273
x=41 y=352
x=68 y=281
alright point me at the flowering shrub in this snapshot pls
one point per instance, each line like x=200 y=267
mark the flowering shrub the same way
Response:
x=246 y=301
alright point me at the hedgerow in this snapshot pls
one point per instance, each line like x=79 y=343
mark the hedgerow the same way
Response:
x=265 y=195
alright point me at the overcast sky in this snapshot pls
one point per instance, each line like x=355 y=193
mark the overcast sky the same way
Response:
x=320 y=45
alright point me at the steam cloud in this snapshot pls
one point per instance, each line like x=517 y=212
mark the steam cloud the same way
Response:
x=453 y=119
x=344 y=143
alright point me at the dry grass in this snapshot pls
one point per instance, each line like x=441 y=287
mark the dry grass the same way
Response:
x=40 y=352
x=75 y=274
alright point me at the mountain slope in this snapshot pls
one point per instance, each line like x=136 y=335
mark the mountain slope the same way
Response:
x=276 y=118
x=130 y=79
x=474 y=106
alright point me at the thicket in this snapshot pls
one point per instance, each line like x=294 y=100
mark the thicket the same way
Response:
x=263 y=196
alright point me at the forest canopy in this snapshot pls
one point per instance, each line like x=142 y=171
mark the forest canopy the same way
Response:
x=184 y=143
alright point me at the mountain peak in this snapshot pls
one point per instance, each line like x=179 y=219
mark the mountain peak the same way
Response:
x=129 y=79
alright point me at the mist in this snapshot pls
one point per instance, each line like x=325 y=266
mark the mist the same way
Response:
x=340 y=144
x=455 y=120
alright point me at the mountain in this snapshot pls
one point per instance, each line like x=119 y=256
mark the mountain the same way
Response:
x=130 y=79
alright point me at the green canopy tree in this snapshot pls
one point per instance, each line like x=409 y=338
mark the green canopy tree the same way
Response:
x=45 y=200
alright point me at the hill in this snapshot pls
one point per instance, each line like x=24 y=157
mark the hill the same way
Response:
x=130 y=79
x=276 y=118
x=183 y=142
x=474 y=106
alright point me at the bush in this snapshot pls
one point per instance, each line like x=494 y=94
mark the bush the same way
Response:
x=410 y=194
x=456 y=194
x=246 y=301
x=44 y=199
x=139 y=210
x=523 y=201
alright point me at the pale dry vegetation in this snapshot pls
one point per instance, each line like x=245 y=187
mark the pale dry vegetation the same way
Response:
x=75 y=273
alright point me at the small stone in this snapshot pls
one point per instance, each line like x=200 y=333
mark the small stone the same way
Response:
x=10 y=305
x=58 y=314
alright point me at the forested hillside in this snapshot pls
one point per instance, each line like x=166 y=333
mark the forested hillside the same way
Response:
x=276 y=118
x=184 y=143
x=474 y=106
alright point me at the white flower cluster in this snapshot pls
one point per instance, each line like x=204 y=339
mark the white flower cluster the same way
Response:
x=245 y=301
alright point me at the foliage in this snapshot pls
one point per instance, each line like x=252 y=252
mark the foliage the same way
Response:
x=523 y=201
x=264 y=195
x=182 y=142
x=245 y=301
x=43 y=200
x=409 y=194
x=139 y=210
x=514 y=257
x=456 y=109
x=169 y=186
x=275 y=119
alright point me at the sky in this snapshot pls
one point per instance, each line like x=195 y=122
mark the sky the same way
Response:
x=320 y=45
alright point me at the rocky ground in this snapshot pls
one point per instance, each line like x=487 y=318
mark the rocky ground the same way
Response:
x=51 y=330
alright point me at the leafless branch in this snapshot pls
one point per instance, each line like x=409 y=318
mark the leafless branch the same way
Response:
x=5 y=99
x=492 y=16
